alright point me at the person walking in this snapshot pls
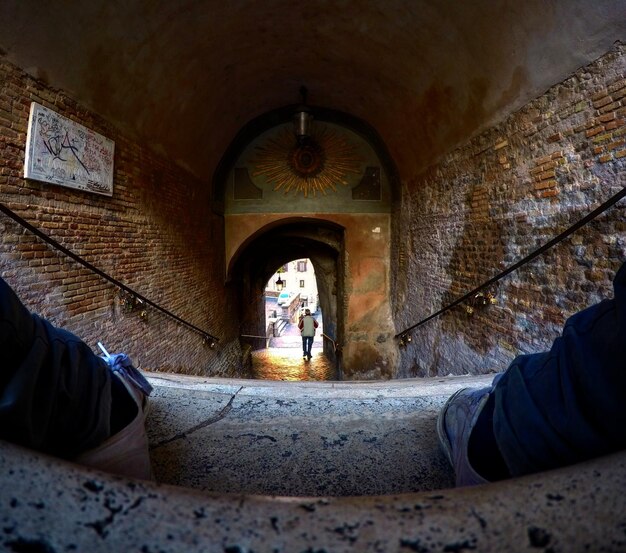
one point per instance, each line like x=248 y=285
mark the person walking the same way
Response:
x=307 y=326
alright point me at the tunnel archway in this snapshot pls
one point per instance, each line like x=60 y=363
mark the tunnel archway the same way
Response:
x=278 y=243
x=348 y=184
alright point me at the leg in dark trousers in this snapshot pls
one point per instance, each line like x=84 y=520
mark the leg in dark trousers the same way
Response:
x=550 y=409
x=56 y=395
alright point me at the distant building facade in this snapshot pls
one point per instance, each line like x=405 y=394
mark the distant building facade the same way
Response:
x=298 y=277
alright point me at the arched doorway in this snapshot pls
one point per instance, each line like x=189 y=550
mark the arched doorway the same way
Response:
x=291 y=296
x=290 y=293
x=257 y=260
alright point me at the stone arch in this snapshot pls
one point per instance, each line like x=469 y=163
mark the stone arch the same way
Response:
x=260 y=187
x=278 y=243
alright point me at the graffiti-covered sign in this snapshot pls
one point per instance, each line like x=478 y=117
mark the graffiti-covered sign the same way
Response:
x=61 y=151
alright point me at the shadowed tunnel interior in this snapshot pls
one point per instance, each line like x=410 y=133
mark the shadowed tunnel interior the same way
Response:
x=187 y=76
x=184 y=89
x=452 y=138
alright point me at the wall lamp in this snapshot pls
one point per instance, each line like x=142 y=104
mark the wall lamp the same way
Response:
x=405 y=340
x=479 y=301
x=303 y=119
x=130 y=302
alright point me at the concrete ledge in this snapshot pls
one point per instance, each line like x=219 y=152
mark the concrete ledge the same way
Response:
x=48 y=505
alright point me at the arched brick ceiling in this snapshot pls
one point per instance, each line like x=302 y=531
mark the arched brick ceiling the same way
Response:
x=184 y=76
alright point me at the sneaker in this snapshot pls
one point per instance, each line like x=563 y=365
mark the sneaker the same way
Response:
x=454 y=426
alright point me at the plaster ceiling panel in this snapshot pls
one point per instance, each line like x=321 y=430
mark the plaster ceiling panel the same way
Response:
x=185 y=76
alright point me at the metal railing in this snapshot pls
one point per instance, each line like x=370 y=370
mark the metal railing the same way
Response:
x=209 y=338
x=562 y=236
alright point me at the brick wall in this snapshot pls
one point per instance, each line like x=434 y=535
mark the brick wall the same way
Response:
x=157 y=235
x=483 y=207
x=493 y=201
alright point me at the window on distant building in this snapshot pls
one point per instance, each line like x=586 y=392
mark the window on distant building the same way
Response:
x=302 y=266
x=285 y=267
x=302 y=284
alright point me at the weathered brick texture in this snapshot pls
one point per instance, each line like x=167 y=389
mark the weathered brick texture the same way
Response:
x=479 y=210
x=495 y=200
x=157 y=235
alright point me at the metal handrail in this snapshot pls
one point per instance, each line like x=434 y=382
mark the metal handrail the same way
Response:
x=10 y=213
x=582 y=222
x=335 y=344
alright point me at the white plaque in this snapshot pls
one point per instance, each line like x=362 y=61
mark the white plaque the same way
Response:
x=60 y=151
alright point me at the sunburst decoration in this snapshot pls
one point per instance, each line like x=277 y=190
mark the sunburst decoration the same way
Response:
x=316 y=165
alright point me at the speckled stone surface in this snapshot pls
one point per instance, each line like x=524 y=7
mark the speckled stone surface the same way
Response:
x=299 y=439
x=47 y=505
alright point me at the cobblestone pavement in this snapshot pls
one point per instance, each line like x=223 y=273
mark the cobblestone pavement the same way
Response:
x=286 y=363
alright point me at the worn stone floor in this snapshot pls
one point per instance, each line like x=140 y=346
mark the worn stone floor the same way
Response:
x=287 y=364
x=300 y=439
x=283 y=359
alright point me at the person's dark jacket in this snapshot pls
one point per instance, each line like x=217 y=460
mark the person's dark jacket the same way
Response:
x=55 y=393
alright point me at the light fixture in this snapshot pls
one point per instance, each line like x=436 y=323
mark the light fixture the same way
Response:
x=128 y=301
x=302 y=120
x=279 y=284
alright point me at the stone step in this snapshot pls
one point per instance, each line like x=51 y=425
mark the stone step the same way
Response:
x=301 y=439
x=198 y=424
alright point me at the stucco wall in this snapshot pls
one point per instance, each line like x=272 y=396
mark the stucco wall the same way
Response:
x=157 y=235
x=490 y=203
